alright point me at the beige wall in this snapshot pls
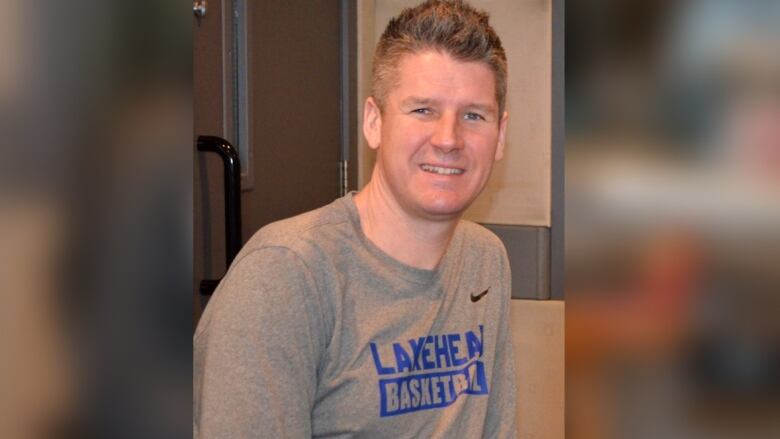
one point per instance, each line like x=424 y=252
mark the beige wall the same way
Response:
x=519 y=190
x=538 y=341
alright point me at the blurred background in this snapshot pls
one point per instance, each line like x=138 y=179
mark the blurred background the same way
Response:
x=672 y=218
x=672 y=213
x=95 y=219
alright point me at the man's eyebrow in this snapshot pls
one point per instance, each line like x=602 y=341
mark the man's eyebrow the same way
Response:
x=485 y=108
x=415 y=100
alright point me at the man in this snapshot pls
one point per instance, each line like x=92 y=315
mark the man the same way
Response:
x=382 y=314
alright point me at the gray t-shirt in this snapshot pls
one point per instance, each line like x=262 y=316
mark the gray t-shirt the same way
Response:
x=316 y=332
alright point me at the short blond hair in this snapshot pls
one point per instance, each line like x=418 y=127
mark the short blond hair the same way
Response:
x=450 y=26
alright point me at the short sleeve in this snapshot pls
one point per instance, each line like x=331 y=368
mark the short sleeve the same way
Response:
x=256 y=350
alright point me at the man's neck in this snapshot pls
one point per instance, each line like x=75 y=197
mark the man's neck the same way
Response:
x=418 y=242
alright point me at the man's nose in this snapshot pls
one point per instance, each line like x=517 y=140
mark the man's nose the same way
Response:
x=446 y=135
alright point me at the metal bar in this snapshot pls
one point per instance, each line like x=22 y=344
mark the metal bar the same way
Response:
x=558 y=160
x=232 y=169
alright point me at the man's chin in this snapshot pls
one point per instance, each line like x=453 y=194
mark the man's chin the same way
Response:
x=444 y=208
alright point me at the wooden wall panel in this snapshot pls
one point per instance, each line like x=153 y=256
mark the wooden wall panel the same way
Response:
x=538 y=341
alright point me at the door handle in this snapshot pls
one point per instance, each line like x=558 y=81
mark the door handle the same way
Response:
x=232 y=171
x=199 y=8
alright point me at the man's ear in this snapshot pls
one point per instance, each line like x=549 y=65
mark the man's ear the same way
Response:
x=372 y=123
x=501 y=136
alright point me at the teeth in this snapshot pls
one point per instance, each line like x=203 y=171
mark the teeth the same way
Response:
x=441 y=171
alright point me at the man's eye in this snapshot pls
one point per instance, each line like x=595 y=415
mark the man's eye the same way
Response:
x=422 y=111
x=474 y=116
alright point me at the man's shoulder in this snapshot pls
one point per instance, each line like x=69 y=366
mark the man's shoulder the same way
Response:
x=477 y=235
x=480 y=244
x=317 y=227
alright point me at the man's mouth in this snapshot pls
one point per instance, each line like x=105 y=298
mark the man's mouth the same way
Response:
x=441 y=170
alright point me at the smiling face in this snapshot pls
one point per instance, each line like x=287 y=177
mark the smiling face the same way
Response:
x=437 y=135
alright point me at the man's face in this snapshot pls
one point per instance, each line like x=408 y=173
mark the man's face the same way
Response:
x=438 y=135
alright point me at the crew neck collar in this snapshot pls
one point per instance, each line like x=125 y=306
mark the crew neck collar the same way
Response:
x=405 y=271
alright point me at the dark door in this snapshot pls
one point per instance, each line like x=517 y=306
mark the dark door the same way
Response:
x=268 y=78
